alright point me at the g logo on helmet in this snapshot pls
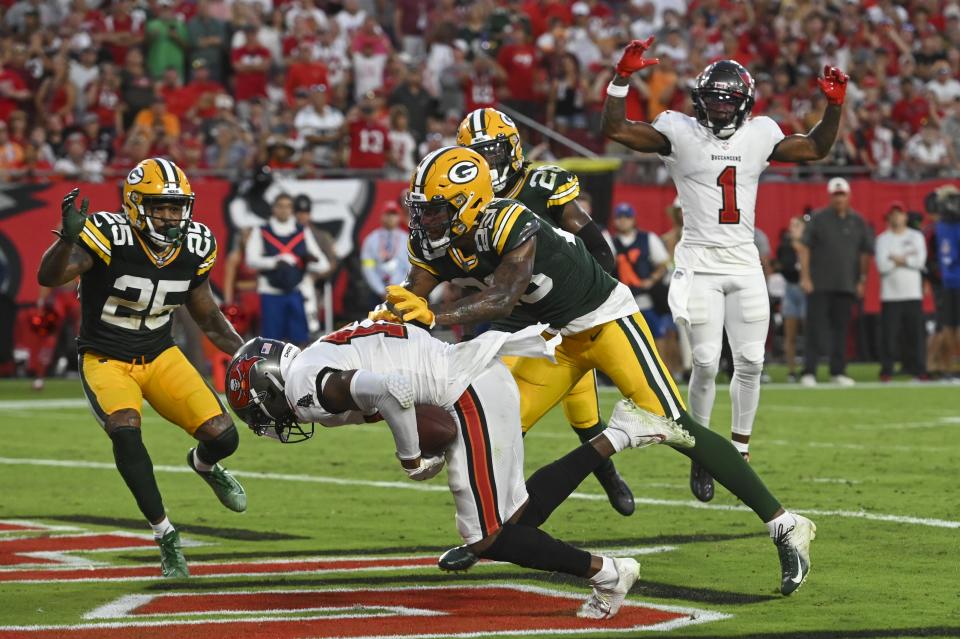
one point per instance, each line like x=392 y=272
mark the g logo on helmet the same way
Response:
x=463 y=172
x=135 y=176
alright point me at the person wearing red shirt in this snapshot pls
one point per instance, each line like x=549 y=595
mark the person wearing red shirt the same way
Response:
x=122 y=30
x=368 y=138
x=304 y=72
x=176 y=96
x=519 y=60
x=250 y=65
x=911 y=109
x=14 y=92
x=480 y=87
x=203 y=90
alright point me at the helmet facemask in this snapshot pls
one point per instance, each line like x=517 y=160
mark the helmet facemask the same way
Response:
x=437 y=221
x=163 y=229
x=721 y=111
x=498 y=153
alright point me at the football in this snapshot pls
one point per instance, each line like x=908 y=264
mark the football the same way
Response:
x=436 y=429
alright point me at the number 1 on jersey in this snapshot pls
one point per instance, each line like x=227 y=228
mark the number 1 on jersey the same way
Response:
x=727 y=181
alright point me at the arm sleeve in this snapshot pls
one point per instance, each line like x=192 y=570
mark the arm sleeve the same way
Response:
x=664 y=123
x=375 y=392
x=884 y=262
x=254 y=253
x=597 y=245
x=94 y=241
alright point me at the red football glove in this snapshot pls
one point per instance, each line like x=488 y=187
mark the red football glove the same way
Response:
x=833 y=84
x=632 y=59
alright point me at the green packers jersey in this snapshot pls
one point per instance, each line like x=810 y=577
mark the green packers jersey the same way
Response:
x=567 y=282
x=127 y=297
x=545 y=190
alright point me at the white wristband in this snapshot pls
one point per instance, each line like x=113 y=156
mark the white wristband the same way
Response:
x=617 y=90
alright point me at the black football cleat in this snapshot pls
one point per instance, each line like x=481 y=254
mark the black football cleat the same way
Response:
x=618 y=492
x=701 y=483
x=793 y=547
x=457 y=559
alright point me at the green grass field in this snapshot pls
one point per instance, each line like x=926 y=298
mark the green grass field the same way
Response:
x=874 y=467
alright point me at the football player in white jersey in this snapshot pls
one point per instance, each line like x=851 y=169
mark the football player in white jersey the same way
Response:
x=369 y=371
x=715 y=160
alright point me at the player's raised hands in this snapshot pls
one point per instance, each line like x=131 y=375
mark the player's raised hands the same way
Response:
x=833 y=84
x=71 y=218
x=632 y=59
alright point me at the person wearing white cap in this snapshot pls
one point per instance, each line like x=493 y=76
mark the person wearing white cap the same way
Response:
x=834 y=260
x=715 y=160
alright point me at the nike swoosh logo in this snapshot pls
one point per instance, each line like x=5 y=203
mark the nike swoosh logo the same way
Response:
x=594 y=337
x=799 y=576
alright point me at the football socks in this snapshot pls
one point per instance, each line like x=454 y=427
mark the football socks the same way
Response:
x=552 y=484
x=133 y=462
x=533 y=548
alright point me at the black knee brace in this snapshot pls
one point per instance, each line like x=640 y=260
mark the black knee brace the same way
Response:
x=222 y=446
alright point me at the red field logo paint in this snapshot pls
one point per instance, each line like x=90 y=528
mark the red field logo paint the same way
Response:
x=448 y=611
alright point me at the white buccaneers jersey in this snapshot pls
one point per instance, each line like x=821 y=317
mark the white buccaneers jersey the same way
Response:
x=439 y=372
x=717 y=179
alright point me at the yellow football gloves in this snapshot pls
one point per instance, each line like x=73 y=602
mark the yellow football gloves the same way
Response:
x=411 y=307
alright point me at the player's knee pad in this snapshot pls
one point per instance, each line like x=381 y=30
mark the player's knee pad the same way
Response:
x=220 y=447
x=749 y=359
x=706 y=357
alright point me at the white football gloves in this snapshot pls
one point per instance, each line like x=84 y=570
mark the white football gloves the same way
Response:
x=428 y=468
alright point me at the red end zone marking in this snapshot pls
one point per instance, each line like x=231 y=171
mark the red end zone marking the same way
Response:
x=456 y=610
x=122 y=573
x=11 y=549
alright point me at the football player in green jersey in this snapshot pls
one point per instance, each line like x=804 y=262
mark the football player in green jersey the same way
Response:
x=135 y=269
x=551 y=193
x=525 y=271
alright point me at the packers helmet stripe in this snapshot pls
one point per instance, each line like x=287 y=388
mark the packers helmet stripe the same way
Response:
x=424 y=169
x=164 y=169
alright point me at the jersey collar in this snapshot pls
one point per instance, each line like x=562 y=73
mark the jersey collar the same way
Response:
x=159 y=259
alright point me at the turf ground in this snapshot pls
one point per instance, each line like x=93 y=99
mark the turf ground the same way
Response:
x=336 y=542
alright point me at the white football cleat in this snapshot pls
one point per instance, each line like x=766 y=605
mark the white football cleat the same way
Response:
x=842 y=380
x=808 y=380
x=605 y=601
x=646 y=429
x=793 y=546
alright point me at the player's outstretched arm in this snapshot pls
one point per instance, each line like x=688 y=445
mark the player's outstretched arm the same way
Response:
x=510 y=280
x=577 y=221
x=816 y=144
x=64 y=260
x=639 y=136
x=211 y=320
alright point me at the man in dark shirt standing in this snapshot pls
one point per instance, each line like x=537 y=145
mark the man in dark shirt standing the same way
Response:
x=834 y=259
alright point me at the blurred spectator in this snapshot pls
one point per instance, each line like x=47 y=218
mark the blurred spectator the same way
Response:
x=519 y=60
x=481 y=83
x=56 y=95
x=420 y=105
x=229 y=151
x=327 y=262
x=123 y=29
x=304 y=72
x=566 y=104
x=79 y=164
x=943 y=87
x=834 y=261
x=641 y=264
x=82 y=73
x=350 y=17
x=368 y=138
x=11 y=153
x=383 y=254
x=14 y=90
x=158 y=120
x=320 y=126
x=927 y=153
x=207 y=36
x=401 y=142
x=945 y=242
x=202 y=90
x=251 y=61
x=874 y=142
x=409 y=25
x=333 y=51
x=166 y=41
x=912 y=109
x=103 y=98
x=282 y=251
x=901 y=254
x=793 y=307
x=136 y=89
x=368 y=66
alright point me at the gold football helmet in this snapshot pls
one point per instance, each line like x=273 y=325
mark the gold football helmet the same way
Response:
x=449 y=190
x=493 y=135
x=158 y=201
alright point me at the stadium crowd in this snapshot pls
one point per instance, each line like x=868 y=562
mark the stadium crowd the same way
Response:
x=88 y=87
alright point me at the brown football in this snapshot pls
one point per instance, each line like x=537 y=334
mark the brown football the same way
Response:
x=436 y=429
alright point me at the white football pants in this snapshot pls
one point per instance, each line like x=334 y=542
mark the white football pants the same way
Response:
x=740 y=304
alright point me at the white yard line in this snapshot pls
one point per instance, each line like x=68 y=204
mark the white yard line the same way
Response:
x=423 y=487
